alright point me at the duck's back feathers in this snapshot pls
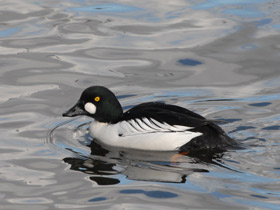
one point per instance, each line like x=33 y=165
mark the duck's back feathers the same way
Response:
x=165 y=113
x=212 y=135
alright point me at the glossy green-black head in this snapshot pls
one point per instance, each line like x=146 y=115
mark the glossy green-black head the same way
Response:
x=99 y=103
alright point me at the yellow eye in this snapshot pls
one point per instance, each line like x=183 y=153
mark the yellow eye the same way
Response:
x=97 y=98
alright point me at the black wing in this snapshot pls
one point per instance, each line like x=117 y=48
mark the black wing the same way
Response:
x=171 y=114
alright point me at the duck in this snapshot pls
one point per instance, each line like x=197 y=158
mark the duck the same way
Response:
x=150 y=126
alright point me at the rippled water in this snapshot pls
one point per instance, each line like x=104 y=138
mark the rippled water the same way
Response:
x=217 y=58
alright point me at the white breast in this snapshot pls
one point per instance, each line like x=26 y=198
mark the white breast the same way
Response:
x=143 y=134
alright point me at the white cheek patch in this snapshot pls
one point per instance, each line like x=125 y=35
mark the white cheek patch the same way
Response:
x=90 y=108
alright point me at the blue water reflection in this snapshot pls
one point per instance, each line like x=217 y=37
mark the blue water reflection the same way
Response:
x=218 y=3
x=9 y=32
x=263 y=22
x=245 y=9
x=245 y=12
x=189 y=62
x=152 y=194
x=106 y=8
x=98 y=199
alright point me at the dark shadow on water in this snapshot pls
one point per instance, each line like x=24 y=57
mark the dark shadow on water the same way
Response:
x=189 y=62
x=274 y=127
x=261 y=104
x=104 y=164
x=153 y=193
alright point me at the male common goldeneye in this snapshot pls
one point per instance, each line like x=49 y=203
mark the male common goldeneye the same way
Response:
x=148 y=126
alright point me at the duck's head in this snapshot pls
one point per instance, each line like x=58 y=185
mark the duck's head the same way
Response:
x=99 y=103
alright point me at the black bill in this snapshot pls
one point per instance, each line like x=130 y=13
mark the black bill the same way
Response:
x=76 y=110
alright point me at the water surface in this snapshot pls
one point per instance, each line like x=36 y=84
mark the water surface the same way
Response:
x=217 y=58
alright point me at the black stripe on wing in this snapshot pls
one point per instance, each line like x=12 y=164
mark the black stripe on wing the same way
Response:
x=133 y=126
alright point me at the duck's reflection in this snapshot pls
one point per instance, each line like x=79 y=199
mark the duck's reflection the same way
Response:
x=103 y=164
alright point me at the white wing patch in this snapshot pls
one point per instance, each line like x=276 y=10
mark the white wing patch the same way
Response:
x=144 y=134
x=140 y=126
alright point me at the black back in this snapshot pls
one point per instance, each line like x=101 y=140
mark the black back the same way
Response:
x=213 y=136
x=171 y=114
